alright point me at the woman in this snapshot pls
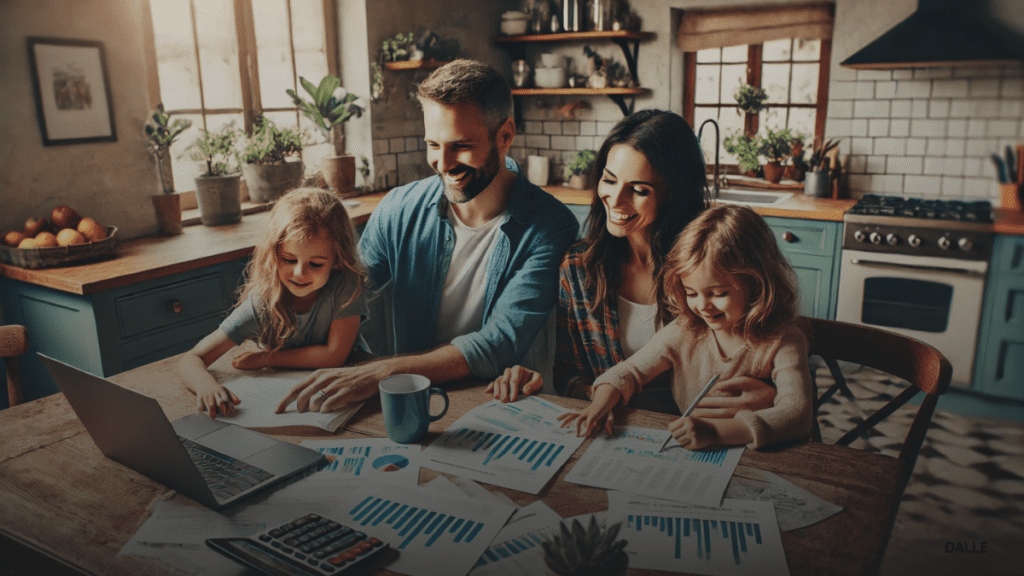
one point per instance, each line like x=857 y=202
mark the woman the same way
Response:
x=651 y=184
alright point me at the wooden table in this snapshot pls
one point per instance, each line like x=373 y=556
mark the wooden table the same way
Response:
x=60 y=496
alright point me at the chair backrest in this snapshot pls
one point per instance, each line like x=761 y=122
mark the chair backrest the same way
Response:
x=13 y=343
x=924 y=367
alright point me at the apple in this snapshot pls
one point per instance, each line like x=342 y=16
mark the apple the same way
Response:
x=33 y=226
x=92 y=230
x=13 y=238
x=64 y=217
x=69 y=236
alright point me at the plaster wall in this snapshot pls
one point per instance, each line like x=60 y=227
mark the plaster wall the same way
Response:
x=109 y=181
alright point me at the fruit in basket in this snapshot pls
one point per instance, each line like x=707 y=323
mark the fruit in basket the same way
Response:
x=70 y=236
x=92 y=230
x=33 y=226
x=13 y=238
x=64 y=217
x=28 y=243
x=46 y=240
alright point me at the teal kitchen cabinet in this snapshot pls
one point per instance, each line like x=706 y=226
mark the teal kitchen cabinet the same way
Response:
x=999 y=362
x=118 y=329
x=812 y=248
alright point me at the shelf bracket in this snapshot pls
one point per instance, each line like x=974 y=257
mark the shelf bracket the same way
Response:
x=631 y=57
x=621 y=101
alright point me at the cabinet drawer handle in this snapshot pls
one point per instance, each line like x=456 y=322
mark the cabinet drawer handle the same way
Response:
x=789 y=236
x=174 y=306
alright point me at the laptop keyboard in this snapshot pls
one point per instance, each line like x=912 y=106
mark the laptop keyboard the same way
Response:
x=225 y=476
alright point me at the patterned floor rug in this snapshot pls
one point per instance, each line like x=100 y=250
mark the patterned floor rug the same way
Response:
x=963 y=511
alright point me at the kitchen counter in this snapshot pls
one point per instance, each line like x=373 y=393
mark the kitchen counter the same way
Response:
x=1008 y=221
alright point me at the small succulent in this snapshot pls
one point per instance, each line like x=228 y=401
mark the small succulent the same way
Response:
x=588 y=552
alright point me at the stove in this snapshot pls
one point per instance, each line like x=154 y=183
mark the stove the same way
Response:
x=941 y=228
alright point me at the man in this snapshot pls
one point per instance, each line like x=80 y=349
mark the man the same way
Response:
x=471 y=255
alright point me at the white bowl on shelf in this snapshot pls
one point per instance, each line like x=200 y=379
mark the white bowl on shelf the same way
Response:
x=514 y=23
x=549 y=60
x=549 y=77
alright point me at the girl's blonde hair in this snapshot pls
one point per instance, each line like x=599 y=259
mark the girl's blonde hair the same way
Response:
x=734 y=241
x=301 y=214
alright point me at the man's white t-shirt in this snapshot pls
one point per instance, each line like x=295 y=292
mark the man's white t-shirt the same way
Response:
x=462 y=299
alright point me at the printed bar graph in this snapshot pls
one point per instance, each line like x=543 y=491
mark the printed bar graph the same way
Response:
x=734 y=532
x=415 y=522
x=537 y=453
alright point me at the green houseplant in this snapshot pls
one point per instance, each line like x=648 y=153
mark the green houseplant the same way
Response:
x=268 y=172
x=586 y=552
x=332 y=106
x=776 y=146
x=161 y=132
x=750 y=99
x=577 y=171
x=218 y=190
x=746 y=149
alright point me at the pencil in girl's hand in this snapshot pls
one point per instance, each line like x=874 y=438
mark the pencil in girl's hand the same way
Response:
x=689 y=409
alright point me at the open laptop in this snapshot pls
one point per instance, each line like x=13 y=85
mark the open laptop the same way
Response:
x=131 y=428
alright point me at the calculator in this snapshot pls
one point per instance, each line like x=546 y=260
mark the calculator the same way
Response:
x=310 y=545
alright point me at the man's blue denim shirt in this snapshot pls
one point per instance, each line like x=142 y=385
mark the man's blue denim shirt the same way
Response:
x=408 y=242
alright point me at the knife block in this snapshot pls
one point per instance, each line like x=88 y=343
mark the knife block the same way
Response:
x=1010 y=196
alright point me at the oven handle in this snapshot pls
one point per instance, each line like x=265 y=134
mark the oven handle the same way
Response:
x=964 y=271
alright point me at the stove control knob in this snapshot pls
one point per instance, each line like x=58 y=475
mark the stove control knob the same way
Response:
x=892 y=239
x=944 y=243
x=859 y=236
x=875 y=238
x=965 y=244
x=914 y=240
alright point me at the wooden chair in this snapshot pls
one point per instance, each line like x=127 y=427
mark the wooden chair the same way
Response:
x=13 y=343
x=923 y=366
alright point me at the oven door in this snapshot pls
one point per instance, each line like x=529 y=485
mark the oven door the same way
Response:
x=936 y=300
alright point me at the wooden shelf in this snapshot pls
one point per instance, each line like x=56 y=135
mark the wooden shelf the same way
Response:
x=577 y=91
x=414 y=64
x=592 y=35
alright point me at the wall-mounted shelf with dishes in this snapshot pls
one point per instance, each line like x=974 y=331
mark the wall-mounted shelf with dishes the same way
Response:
x=414 y=64
x=627 y=40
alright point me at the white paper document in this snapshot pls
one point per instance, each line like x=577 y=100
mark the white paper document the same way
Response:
x=516 y=550
x=794 y=506
x=629 y=460
x=370 y=458
x=517 y=445
x=260 y=392
x=740 y=538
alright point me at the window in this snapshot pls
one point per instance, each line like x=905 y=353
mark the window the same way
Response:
x=224 y=62
x=725 y=49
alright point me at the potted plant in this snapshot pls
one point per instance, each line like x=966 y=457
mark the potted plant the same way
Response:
x=332 y=106
x=401 y=47
x=577 y=171
x=162 y=132
x=746 y=149
x=267 y=171
x=776 y=146
x=751 y=99
x=218 y=190
x=590 y=552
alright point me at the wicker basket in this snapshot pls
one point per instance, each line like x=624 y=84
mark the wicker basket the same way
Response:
x=61 y=255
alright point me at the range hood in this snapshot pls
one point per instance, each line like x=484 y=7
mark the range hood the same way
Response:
x=942 y=33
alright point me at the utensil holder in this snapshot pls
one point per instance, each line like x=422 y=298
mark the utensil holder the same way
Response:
x=1010 y=196
x=816 y=184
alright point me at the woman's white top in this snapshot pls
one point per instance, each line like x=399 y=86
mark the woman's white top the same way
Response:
x=636 y=325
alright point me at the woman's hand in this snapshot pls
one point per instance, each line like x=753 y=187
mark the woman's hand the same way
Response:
x=515 y=379
x=216 y=399
x=597 y=415
x=693 y=433
x=254 y=360
x=734 y=395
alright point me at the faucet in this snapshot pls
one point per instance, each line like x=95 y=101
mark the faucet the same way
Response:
x=700 y=130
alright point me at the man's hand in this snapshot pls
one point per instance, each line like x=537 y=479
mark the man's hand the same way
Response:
x=733 y=395
x=515 y=379
x=342 y=386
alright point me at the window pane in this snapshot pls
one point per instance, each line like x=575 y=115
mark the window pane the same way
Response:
x=777 y=50
x=218 y=54
x=801 y=121
x=774 y=119
x=215 y=122
x=730 y=120
x=184 y=168
x=734 y=54
x=707 y=89
x=805 y=50
x=805 y=83
x=709 y=55
x=283 y=119
x=733 y=76
x=775 y=80
x=175 y=55
x=274 y=51
x=309 y=39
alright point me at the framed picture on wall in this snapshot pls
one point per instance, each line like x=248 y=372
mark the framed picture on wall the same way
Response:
x=72 y=91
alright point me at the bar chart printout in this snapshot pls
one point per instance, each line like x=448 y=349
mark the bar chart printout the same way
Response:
x=516 y=550
x=517 y=445
x=629 y=460
x=740 y=538
x=434 y=534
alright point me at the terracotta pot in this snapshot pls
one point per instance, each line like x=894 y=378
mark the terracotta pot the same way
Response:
x=340 y=173
x=219 y=199
x=268 y=182
x=579 y=182
x=773 y=172
x=168 y=213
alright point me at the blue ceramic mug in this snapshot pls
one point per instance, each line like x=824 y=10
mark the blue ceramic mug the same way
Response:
x=405 y=402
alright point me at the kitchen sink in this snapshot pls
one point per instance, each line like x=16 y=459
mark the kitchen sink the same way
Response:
x=752 y=197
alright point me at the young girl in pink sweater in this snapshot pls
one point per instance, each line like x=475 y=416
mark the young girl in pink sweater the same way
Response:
x=734 y=296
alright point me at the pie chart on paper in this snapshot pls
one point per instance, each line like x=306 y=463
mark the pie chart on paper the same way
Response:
x=390 y=463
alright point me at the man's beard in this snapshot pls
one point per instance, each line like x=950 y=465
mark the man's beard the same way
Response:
x=475 y=182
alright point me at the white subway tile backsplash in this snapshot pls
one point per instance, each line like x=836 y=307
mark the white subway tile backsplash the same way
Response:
x=380 y=146
x=900 y=108
x=984 y=109
x=930 y=73
x=874 y=74
x=936 y=147
x=875 y=165
x=592 y=143
x=839 y=127
x=888 y=183
x=603 y=128
x=552 y=127
x=938 y=108
x=952 y=187
x=949 y=88
x=860 y=183
x=976 y=128
x=959 y=108
x=913 y=89
x=857 y=165
x=858 y=127
x=878 y=127
x=841 y=90
x=861 y=146
x=533 y=127
x=956 y=147
x=953 y=167
x=981 y=147
x=973 y=167
x=864 y=91
x=885 y=89
x=538 y=141
x=902 y=74
x=899 y=128
x=412 y=143
x=871 y=109
x=982 y=87
x=570 y=128
x=904 y=165
x=396 y=145
x=890 y=146
x=933 y=165
x=1011 y=108
x=916 y=146
x=1001 y=129
x=981 y=188
x=922 y=185
x=919 y=109
x=927 y=128
x=840 y=109
x=588 y=128
x=1012 y=87
x=563 y=142
x=956 y=128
